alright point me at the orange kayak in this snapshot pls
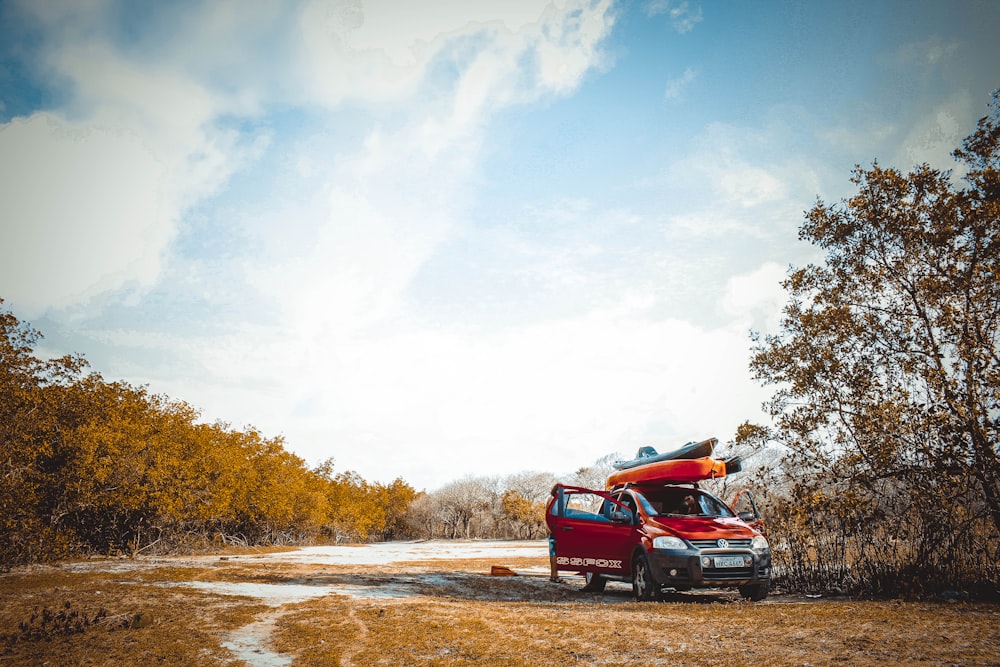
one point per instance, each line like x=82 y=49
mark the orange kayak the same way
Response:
x=675 y=471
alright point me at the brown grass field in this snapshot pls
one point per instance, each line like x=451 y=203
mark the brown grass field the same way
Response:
x=249 y=609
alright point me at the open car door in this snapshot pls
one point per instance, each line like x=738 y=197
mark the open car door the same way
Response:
x=593 y=531
x=746 y=509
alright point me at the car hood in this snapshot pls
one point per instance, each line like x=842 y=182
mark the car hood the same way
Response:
x=702 y=528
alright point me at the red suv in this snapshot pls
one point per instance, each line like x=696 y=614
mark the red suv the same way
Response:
x=658 y=536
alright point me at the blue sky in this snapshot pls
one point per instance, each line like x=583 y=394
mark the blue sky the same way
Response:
x=439 y=239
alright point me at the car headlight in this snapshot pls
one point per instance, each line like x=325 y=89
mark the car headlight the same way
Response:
x=759 y=543
x=668 y=542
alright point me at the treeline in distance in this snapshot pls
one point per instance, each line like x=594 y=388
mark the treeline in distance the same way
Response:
x=91 y=466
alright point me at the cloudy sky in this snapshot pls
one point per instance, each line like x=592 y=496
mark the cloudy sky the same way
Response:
x=445 y=238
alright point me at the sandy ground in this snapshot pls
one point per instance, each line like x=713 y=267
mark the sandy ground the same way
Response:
x=436 y=603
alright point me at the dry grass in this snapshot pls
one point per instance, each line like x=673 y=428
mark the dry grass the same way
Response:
x=454 y=632
x=138 y=623
x=451 y=613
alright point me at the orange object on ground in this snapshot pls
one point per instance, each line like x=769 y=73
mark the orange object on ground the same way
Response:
x=675 y=471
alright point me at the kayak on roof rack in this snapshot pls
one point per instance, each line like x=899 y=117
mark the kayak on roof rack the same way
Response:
x=679 y=471
x=646 y=455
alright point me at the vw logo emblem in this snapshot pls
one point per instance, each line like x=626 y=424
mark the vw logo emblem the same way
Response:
x=723 y=544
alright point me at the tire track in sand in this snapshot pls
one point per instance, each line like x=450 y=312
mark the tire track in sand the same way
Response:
x=347 y=658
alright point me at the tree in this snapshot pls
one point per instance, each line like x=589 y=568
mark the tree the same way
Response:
x=524 y=518
x=394 y=501
x=33 y=398
x=886 y=370
x=457 y=504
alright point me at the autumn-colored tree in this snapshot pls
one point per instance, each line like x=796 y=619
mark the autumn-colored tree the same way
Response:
x=887 y=373
x=523 y=503
x=105 y=484
x=525 y=519
x=395 y=500
x=31 y=399
x=91 y=466
x=360 y=511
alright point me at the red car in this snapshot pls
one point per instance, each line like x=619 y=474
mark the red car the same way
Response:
x=658 y=536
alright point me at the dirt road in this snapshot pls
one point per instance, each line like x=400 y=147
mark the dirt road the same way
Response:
x=435 y=603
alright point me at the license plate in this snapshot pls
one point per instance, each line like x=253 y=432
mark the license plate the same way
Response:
x=729 y=561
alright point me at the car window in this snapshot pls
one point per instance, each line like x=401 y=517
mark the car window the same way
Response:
x=625 y=505
x=586 y=506
x=712 y=506
x=651 y=507
x=678 y=501
x=626 y=500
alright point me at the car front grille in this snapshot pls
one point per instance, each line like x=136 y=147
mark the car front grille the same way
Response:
x=736 y=543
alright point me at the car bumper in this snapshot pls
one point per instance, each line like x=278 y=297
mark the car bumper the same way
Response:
x=696 y=569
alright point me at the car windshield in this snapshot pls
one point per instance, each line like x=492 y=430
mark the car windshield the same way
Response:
x=677 y=501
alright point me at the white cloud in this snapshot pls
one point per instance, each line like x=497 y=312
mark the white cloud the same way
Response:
x=568 y=45
x=554 y=395
x=755 y=300
x=156 y=125
x=684 y=15
x=383 y=50
x=84 y=210
x=860 y=139
x=711 y=224
x=676 y=87
x=737 y=180
x=928 y=53
x=391 y=203
x=936 y=134
x=740 y=176
x=929 y=133
x=96 y=190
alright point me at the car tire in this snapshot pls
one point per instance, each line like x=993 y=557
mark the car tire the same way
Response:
x=595 y=582
x=755 y=592
x=643 y=586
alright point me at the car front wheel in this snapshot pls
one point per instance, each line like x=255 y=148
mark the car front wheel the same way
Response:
x=755 y=592
x=595 y=582
x=643 y=586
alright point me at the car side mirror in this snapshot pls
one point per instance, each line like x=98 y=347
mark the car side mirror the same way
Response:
x=747 y=517
x=621 y=517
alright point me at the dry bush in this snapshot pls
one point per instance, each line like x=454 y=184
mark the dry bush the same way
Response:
x=829 y=539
